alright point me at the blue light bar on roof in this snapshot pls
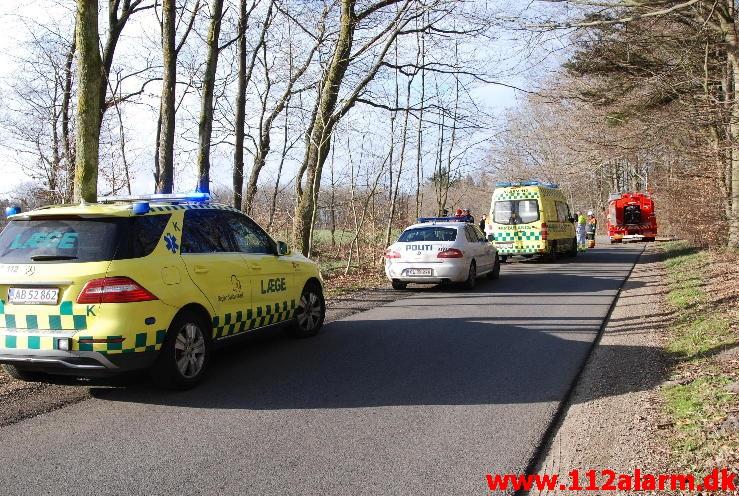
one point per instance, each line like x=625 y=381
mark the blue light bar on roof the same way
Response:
x=422 y=220
x=510 y=184
x=12 y=211
x=196 y=197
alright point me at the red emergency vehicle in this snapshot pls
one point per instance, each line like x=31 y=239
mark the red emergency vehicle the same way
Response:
x=631 y=217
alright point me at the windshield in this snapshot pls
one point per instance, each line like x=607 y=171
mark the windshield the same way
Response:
x=516 y=211
x=431 y=233
x=77 y=239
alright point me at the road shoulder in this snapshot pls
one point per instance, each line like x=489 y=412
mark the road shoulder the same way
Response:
x=610 y=422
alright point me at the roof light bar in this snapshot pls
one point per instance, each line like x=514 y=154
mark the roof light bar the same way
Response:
x=422 y=220
x=509 y=184
x=12 y=211
x=196 y=197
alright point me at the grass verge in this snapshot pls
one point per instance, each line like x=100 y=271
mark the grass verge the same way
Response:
x=702 y=410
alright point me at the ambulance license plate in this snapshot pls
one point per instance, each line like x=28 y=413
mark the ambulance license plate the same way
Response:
x=418 y=272
x=33 y=296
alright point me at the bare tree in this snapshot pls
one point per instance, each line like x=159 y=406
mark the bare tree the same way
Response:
x=267 y=118
x=164 y=157
x=327 y=112
x=244 y=76
x=205 y=125
x=89 y=101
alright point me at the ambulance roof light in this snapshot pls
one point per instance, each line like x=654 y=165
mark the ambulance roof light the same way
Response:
x=508 y=184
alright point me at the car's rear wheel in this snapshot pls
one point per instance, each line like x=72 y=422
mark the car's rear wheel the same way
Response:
x=24 y=375
x=495 y=273
x=185 y=353
x=399 y=284
x=310 y=314
x=551 y=254
x=471 y=277
x=573 y=248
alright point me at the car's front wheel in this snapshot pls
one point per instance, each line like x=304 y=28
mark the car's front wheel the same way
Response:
x=185 y=353
x=310 y=314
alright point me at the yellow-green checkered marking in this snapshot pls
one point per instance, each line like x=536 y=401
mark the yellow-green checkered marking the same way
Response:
x=517 y=194
x=142 y=342
x=252 y=318
x=67 y=318
x=533 y=235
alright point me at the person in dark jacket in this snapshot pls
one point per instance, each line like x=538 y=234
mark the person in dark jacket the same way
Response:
x=468 y=216
x=483 y=220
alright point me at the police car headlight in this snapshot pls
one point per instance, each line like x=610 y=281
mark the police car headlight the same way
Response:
x=63 y=344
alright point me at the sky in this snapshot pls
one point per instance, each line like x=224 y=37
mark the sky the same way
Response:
x=496 y=99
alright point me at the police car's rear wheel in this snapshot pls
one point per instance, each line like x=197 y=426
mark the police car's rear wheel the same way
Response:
x=399 y=284
x=471 y=277
x=184 y=354
x=495 y=273
x=311 y=312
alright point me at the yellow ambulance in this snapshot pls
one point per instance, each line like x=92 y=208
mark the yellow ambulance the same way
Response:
x=154 y=282
x=531 y=218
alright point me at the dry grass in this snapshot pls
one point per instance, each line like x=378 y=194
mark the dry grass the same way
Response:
x=702 y=411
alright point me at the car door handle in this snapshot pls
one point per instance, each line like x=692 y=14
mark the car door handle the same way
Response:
x=255 y=266
x=200 y=269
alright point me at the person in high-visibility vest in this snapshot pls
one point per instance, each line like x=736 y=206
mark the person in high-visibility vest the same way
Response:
x=581 y=223
x=591 y=227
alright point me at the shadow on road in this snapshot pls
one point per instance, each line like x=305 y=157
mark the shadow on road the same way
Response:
x=466 y=357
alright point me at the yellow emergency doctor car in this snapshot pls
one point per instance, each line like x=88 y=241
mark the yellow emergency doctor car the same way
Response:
x=531 y=218
x=152 y=283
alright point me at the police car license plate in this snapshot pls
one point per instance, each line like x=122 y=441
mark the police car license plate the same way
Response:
x=418 y=272
x=33 y=296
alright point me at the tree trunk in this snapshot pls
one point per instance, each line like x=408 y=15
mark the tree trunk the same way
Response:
x=734 y=170
x=205 y=126
x=238 y=171
x=66 y=135
x=273 y=206
x=165 y=165
x=319 y=131
x=89 y=74
x=401 y=160
x=421 y=61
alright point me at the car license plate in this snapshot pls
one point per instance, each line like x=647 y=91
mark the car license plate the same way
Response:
x=33 y=296
x=418 y=272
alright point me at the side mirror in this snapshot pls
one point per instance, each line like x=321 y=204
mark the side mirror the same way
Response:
x=282 y=248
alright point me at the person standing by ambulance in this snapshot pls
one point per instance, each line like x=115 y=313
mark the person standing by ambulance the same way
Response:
x=580 y=229
x=483 y=221
x=591 y=228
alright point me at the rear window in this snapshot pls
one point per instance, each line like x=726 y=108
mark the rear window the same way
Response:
x=76 y=239
x=428 y=234
x=516 y=211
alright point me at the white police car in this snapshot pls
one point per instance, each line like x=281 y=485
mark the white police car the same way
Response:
x=441 y=250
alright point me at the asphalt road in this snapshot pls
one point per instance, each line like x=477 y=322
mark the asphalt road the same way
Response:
x=424 y=395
